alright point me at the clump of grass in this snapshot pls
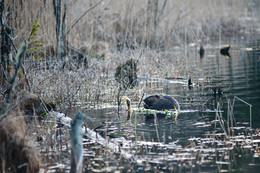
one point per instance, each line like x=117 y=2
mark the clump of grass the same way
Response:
x=17 y=154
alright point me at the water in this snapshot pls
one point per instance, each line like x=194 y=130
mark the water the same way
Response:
x=238 y=75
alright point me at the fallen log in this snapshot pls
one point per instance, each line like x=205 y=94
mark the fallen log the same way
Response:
x=112 y=145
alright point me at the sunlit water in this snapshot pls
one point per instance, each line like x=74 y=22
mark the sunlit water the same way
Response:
x=237 y=75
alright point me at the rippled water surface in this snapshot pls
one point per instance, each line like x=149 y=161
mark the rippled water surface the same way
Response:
x=195 y=141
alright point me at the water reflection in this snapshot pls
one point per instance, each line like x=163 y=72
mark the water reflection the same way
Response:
x=216 y=79
x=237 y=76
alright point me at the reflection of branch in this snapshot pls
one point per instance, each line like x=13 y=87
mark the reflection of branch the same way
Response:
x=82 y=16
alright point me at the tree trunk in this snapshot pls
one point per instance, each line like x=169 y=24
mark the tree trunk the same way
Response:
x=3 y=43
x=57 y=14
x=60 y=28
x=63 y=34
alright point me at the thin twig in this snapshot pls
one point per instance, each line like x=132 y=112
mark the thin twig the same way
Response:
x=82 y=16
x=141 y=101
x=162 y=10
x=250 y=107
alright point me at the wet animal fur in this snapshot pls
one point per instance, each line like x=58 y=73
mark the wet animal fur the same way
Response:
x=161 y=102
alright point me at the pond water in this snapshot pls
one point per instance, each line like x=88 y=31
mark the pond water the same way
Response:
x=180 y=139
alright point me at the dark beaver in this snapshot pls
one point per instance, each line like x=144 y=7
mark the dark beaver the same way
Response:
x=160 y=102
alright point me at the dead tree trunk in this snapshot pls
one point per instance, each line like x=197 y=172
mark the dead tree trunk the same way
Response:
x=60 y=28
x=3 y=43
x=57 y=11
x=6 y=44
x=155 y=22
x=63 y=34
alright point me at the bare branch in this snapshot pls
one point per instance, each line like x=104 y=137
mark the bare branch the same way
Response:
x=82 y=16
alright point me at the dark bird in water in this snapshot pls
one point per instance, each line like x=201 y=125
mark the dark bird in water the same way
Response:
x=201 y=51
x=225 y=51
x=189 y=82
x=158 y=102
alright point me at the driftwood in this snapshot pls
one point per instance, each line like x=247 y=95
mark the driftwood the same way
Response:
x=113 y=146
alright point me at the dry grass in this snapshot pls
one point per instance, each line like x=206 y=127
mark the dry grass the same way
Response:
x=129 y=24
x=17 y=153
x=117 y=31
